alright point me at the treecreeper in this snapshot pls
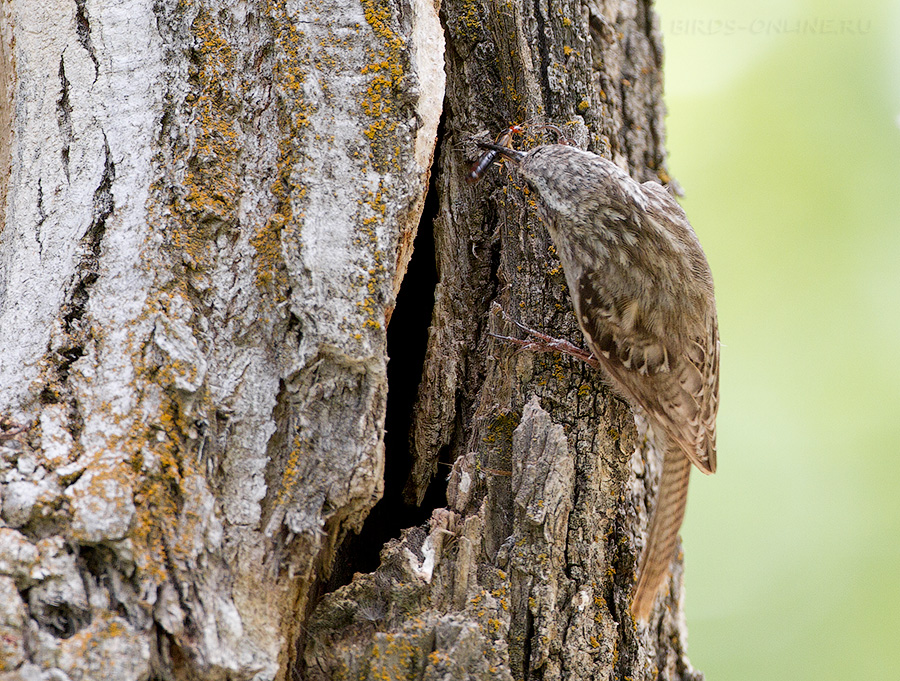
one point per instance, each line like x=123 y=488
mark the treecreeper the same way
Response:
x=643 y=295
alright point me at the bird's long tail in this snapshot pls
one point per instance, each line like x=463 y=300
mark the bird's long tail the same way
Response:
x=660 y=547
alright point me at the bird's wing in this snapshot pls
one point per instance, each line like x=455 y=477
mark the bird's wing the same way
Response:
x=678 y=387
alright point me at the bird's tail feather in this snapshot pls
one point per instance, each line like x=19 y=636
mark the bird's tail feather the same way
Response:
x=660 y=547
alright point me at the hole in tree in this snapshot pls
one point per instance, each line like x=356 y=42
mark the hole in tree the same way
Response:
x=407 y=337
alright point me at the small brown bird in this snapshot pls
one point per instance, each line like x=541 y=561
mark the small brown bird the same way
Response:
x=643 y=294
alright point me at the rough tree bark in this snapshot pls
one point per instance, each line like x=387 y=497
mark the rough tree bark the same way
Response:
x=207 y=212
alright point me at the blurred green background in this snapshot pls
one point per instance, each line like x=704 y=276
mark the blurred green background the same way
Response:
x=784 y=131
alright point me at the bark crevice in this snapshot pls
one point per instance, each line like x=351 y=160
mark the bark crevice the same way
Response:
x=407 y=333
x=407 y=336
x=83 y=30
x=64 y=116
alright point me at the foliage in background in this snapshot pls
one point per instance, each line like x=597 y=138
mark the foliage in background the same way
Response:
x=783 y=131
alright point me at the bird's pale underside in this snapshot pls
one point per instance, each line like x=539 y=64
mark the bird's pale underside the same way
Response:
x=643 y=294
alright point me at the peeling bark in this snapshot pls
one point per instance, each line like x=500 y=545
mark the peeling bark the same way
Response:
x=207 y=212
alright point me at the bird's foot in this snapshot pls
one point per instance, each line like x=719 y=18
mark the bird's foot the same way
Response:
x=541 y=342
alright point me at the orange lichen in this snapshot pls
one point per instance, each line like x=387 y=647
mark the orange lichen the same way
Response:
x=291 y=475
x=372 y=211
x=387 y=66
x=210 y=187
x=288 y=188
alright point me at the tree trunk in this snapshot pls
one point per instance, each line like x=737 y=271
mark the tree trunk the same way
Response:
x=207 y=212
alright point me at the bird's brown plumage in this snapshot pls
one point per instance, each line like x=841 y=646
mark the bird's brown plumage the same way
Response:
x=643 y=294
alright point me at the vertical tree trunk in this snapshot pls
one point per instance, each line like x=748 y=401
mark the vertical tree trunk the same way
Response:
x=207 y=209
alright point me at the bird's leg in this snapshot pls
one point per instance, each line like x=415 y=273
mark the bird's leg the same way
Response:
x=541 y=342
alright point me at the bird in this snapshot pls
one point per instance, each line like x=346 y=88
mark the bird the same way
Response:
x=643 y=294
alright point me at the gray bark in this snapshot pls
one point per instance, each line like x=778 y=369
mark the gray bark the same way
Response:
x=207 y=210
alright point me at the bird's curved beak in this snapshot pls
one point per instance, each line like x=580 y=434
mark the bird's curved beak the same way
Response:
x=511 y=154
